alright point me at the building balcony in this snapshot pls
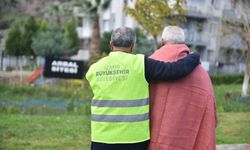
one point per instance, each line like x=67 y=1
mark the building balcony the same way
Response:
x=233 y=43
x=196 y=15
x=196 y=43
x=195 y=12
x=196 y=40
x=231 y=15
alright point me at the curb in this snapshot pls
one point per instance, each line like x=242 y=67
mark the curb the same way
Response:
x=233 y=147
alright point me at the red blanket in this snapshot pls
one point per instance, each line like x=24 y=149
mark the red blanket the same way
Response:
x=183 y=113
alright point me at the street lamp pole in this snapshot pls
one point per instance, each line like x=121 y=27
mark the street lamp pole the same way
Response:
x=1 y=67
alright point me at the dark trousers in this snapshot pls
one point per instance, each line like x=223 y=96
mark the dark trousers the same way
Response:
x=134 y=146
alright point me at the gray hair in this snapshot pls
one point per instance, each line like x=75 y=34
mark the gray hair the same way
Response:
x=123 y=37
x=173 y=35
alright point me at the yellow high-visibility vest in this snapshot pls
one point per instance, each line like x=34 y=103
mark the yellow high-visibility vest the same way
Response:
x=120 y=106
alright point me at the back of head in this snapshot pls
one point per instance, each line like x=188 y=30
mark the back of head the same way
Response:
x=173 y=35
x=123 y=37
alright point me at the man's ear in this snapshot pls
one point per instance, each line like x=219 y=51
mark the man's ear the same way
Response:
x=162 y=43
x=111 y=46
x=132 y=47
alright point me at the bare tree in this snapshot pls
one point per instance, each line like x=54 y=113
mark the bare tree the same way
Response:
x=242 y=26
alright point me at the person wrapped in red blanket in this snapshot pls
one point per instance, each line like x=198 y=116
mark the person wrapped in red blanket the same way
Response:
x=183 y=112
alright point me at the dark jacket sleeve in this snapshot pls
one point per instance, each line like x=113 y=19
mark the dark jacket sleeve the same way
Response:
x=158 y=70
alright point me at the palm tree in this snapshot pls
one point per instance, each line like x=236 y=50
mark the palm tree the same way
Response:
x=93 y=8
x=59 y=12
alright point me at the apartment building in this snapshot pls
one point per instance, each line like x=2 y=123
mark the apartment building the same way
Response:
x=204 y=30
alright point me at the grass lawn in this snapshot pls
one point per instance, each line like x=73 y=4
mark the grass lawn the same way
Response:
x=31 y=132
x=73 y=131
x=25 y=132
x=233 y=128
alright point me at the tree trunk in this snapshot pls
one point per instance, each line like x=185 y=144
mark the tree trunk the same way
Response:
x=156 y=45
x=16 y=62
x=245 y=84
x=34 y=62
x=2 y=54
x=21 y=71
x=95 y=43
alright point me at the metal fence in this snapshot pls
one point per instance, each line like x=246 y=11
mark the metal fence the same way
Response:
x=50 y=106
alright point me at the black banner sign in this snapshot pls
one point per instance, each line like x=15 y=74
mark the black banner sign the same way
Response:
x=63 y=68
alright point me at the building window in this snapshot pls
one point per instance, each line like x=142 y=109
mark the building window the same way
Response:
x=216 y=3
x=199 y=26
x=106 y=25
x=185 y=25
x=81 y=43
x=86 y=44
x=212 y=2
x=201 y=50
x=211 y=27
x=234 y=2
x=228 y=55
x=79 y=21
x=210 y=55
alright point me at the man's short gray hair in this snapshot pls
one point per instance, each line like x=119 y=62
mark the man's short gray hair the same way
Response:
x=123 y=37
x=173 y=35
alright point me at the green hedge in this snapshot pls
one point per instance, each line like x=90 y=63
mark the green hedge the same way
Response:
x=226 y=79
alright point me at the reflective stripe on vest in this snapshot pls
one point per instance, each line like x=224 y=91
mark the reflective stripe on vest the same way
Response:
x=120 y=103
x=120 y=118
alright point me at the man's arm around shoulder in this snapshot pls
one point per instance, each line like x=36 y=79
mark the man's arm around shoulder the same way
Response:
x=159 y=70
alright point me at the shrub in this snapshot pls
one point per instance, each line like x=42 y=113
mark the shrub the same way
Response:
x=105 y=42
x=226 y=79
x=13 y=110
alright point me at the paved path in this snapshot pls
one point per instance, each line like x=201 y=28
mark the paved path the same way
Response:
x=14 y=73
x=14 y=76
x=233 y=147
